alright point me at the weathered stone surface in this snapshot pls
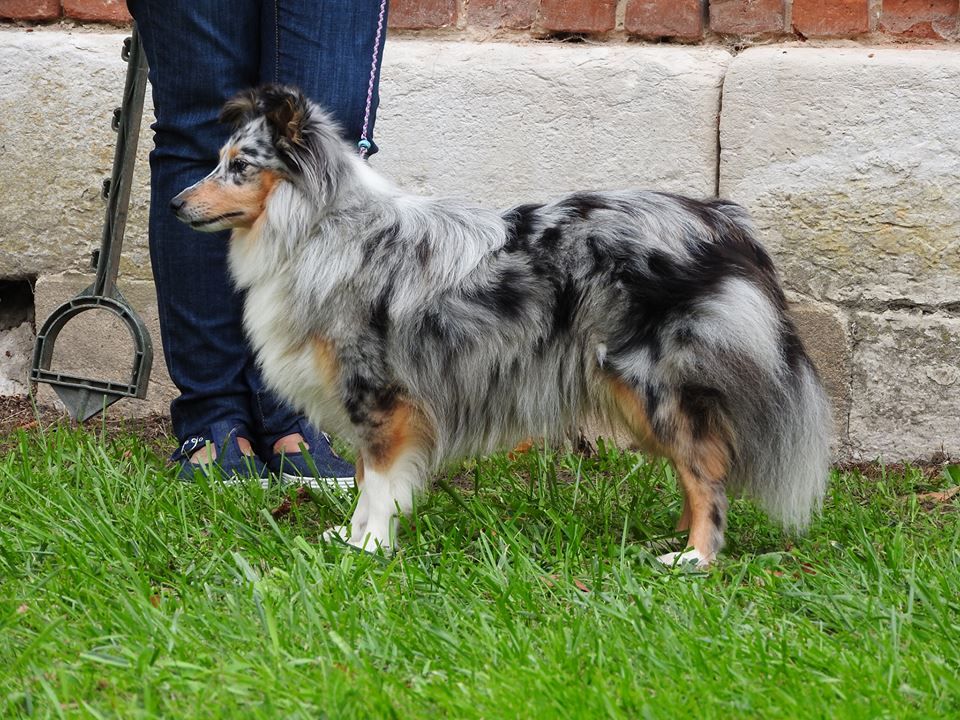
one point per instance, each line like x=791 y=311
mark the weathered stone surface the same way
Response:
x=503 y=123
x=16 y=352
x=824 y=333
x=57 y=95
x=905 y=385
x=849 y=160
x=457 y=118
x=95 y=344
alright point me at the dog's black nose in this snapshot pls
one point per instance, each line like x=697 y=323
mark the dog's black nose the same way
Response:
x=177 y=203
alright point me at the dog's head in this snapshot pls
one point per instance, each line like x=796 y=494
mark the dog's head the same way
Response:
x=279 y=137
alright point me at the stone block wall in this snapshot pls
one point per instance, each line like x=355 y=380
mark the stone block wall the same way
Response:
x=837 y=130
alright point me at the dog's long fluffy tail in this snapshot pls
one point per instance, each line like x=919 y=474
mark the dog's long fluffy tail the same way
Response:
x=785 y=453
x=782 y=424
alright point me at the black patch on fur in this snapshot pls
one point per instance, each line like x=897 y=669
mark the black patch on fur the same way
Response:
x=683 y=335
x=424 y=252
x=550 y=238
x=432 y=326
x=439 y=342
x=716 y=516
x=505 y=297
x=566 y=305
x=601 y=259
x=660 y=264
x=703 y=406
x=519 y=225
x=380 y=313
x=614 y=257
x=385 y=241
x=362 y=397
x=582 y=204
x=651 y=400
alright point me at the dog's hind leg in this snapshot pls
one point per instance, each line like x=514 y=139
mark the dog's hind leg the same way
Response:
x=704 y=514
x=702 y=460
x=692 y=436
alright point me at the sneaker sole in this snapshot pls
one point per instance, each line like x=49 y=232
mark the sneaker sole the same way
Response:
x=342 y=483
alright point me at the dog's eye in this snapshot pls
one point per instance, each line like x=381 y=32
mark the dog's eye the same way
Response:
x=238 y=166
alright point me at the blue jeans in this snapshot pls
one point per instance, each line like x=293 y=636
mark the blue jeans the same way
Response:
x=201 y=53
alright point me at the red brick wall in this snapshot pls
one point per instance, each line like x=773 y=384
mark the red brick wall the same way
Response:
x=678 y=20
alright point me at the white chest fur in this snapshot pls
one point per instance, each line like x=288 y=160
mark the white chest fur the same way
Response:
x=300 y=368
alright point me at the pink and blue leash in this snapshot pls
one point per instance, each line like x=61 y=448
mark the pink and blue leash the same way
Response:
x=364 y=145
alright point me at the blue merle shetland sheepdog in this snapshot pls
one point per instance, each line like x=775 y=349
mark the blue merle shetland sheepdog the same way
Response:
x=423 y=330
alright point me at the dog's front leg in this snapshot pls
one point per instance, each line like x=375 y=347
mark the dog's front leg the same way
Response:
x=387 y=493
x=358 y=521
x=397 y=445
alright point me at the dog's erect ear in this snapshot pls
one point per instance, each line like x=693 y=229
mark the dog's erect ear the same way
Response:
x=285 y=110
x=240 y=109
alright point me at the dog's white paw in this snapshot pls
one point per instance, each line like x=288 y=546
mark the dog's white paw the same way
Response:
x=692 y=556
x=370 y=543
x=339 y=533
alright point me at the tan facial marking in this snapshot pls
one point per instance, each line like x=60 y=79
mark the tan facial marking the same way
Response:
x=214 y=198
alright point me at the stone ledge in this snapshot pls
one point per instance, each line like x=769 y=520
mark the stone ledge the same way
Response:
x=849 y=160
x=483 y=121
x=905 y=386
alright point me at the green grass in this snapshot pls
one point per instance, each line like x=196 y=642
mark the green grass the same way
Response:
x=524 y=589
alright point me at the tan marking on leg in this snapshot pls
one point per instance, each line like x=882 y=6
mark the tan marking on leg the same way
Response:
x=633 y=413
x=358 y=471
x=397 y=430
x=699 y=495
x=702 y=470
x=712 y=457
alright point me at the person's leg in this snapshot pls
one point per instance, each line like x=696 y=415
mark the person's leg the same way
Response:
x=326 y=48
x=200 y=53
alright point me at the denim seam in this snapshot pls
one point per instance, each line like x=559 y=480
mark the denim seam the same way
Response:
x=276 y=41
